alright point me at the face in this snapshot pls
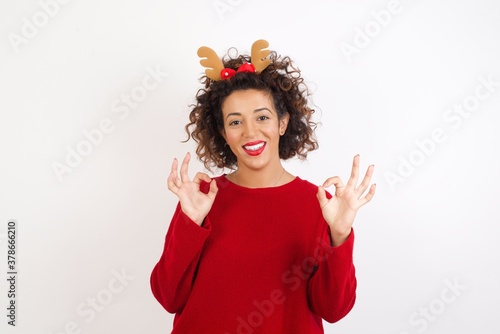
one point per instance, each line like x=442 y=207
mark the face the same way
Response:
x=252 y=129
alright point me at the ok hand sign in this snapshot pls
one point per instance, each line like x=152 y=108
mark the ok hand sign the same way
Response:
x=340 y=210
x=194 y=203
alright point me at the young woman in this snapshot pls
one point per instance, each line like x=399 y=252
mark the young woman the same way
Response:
x=258 y=250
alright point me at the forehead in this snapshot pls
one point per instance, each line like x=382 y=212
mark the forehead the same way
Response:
x=247 y=100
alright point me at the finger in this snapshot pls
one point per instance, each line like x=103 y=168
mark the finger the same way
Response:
x=333 y=180
x=366 y=180
x=184 y=168
x=201 y=176
x=172 y=177
x=369 y=196
x=174 y=166
x=171 y=183
x=353 y=180
x=175 y=180
x=213 y=189
x=321 y=195
x=337 y=182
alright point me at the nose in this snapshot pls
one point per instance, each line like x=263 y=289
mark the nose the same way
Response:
x=249 y=130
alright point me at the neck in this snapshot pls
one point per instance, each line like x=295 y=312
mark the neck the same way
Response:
x=270 y=176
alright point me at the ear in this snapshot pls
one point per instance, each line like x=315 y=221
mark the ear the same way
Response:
x=223 y=134
x=284 y=123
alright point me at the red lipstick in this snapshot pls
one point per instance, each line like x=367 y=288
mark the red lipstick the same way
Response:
x=254 y=148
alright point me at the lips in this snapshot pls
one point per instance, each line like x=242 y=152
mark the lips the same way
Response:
x=254 y=148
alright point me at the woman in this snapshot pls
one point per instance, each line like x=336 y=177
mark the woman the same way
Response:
x=258 y=250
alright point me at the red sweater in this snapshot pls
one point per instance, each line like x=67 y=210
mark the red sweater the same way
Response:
x=262 y=262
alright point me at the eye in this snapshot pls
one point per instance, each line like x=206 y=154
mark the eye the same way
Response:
x=263 y=118
x=235 y=122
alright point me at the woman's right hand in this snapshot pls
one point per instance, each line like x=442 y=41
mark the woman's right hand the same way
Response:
x=194 y=203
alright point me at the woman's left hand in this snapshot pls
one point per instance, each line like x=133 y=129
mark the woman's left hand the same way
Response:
x=340 y=210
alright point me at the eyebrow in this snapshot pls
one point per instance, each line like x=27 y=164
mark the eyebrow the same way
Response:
x=256 y=110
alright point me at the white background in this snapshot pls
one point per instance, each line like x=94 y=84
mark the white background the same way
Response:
x=436 y=222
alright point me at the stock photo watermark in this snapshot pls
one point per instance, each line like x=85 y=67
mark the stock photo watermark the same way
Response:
x=222 y=7
x=12 y=274
x=292 y=278
x=121 y=107
x=453 y=117
x=31 y=26
x=421 y=319
x=88 y=309
x=365 y=35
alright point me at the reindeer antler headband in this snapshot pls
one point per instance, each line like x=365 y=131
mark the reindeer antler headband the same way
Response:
x=215 y=69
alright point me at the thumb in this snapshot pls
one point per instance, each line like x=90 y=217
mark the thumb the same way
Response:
x=213 y=189
x=321 y=195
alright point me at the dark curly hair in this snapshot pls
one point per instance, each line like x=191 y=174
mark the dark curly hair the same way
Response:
x=282 y=80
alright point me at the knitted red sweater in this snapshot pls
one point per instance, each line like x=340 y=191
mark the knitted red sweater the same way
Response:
x=262 y=262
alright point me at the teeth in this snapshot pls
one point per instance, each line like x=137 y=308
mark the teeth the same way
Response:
x=254 y=147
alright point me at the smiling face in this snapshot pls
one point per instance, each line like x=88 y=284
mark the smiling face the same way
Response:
x=252 y=129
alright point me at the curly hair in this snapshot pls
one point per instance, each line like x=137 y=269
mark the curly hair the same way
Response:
x=282 y=80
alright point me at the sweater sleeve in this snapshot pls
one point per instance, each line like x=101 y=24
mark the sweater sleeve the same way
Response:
x=172 y=277
x=332 y=287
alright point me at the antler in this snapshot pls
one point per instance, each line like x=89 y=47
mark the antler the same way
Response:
x=211 y=62
x=259 y=55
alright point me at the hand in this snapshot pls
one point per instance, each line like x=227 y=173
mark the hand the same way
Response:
x=340 y=210
x=194 y=203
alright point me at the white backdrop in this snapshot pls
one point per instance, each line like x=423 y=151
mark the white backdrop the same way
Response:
x=94 y=99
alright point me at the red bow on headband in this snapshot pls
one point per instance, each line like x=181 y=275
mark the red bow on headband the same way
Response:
x=228 y=73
